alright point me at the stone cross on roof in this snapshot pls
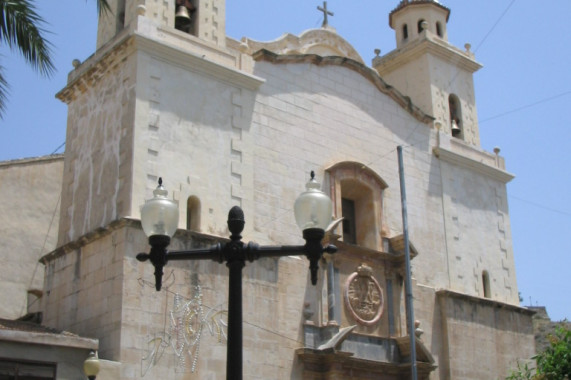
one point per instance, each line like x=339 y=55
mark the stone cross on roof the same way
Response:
x=325 y=13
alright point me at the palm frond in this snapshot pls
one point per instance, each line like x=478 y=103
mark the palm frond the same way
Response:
x=21 y=28
x=103 y=7
x=3 y=92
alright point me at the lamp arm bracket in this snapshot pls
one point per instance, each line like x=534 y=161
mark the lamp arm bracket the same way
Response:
x=214 y=253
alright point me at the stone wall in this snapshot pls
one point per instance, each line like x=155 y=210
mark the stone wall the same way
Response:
x=96 y=288
x=97 y=170
x=29 y=199
x=84 y=288
x=483 y=339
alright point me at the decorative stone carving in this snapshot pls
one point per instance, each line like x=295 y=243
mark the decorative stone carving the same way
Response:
x=363 y=296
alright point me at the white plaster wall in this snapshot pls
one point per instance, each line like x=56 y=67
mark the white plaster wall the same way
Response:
x=309 y=118
x=29 y=200
x=413 y=79
x=189 y=129
x=477 y=228
x=305 y=118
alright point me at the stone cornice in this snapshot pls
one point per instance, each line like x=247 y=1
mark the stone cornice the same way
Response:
x=111 y=227
x=303 y=44
x=342 y=364
x=95 y=67
x=116 y=50
x=426 y=45
x=469 y=163
x=358 y=253
x=32 y=160
x=48 y=339
x=196 y=63
x=445 y=293
x=88 y=238
x=367 y=72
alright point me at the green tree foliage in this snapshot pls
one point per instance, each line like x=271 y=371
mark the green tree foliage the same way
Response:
x=555 y=362
x=21 y=28
x=552 y=364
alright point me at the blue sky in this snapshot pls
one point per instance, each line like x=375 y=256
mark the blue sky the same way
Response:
x=523 y=96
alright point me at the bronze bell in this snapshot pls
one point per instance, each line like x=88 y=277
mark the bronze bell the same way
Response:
x=181 y=18
x=455 y=129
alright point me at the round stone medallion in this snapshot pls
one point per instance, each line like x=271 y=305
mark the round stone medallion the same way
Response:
x=364 y=296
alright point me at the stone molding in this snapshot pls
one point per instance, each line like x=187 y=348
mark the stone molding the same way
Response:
x=342 y=365
x=426 y=45
x=305 y=43
x=469 y=163
x=108 y=229
x=48 y=339
x=358 y=253
x=446 y=293
x=32 y=160
x=124 y=44
x=196 y=63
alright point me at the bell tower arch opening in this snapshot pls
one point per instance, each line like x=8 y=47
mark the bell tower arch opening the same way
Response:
x=436 y=76
x=455 y=112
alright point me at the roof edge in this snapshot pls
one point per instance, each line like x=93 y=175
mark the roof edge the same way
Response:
x=404 y=101
x=405 y=3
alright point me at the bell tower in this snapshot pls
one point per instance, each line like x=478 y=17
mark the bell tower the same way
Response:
x=204 y=19
x=437 y=76
x=148 y=87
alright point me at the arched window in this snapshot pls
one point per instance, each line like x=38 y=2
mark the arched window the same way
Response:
x=455 y=116
x=404 y=31
x=420 y=25
x=439 y=29
x=193 y=213
x=486 y=284
x=357 y=194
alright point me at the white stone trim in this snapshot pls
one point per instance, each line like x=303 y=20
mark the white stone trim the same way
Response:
x=415 y=49
x=196 y=63
x=480 y=167
x=48 y=339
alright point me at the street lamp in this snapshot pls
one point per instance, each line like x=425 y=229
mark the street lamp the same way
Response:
x=159 y=218
x=91 y=366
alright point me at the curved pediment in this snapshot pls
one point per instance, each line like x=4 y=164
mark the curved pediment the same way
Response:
x=323 y=42
x=351 y=64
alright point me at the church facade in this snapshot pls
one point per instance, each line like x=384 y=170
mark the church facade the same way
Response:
x=225 y=123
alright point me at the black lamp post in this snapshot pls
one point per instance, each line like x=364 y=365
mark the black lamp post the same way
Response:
x=159 y=218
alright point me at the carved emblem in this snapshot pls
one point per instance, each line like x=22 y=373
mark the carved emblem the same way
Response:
x=364 y=296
